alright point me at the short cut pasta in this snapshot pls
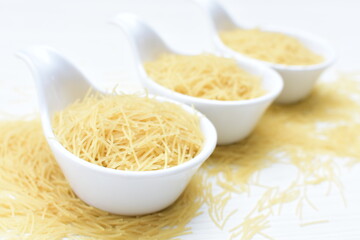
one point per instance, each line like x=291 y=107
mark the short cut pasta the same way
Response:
x=270 y=46
x=129 y=132
x=204 y=76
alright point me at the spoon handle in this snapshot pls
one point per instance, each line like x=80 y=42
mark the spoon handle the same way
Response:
x=143 y=39
x=217 y=15
x=219 y=20
x=57 y=81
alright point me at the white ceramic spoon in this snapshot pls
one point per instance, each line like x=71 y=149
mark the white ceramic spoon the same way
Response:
x=233 y=120
x=298 y=80
x=59 y=84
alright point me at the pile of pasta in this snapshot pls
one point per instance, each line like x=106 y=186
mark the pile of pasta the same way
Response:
x=37 y=202
x=270 y=46
x=205 y=76
x=129 y=132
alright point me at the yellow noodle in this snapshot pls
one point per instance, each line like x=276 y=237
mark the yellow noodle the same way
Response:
x=313 y=222
x=128 y=132
x=36 y=197
x=270 y=46
x=55 y=212
x=204 y=76
x=311 y=136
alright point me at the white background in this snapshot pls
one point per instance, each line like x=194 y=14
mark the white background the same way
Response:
x=80 y=30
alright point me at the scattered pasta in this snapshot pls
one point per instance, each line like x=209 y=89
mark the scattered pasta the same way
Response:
x=37 y=202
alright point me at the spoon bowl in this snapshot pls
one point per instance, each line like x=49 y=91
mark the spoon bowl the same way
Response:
x=233 y=120
x=298 y=79
x=59 y=84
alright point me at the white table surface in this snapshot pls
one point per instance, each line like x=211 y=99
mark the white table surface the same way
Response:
x=79 y=30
